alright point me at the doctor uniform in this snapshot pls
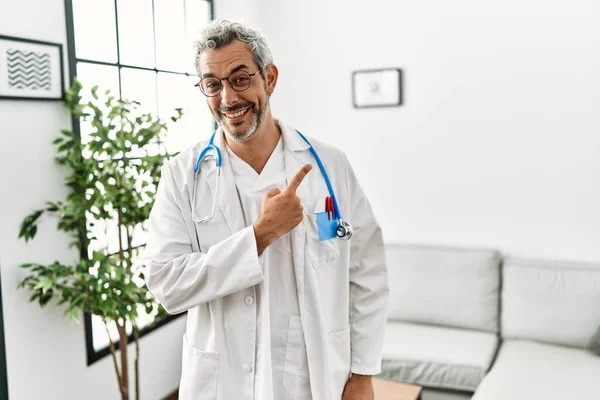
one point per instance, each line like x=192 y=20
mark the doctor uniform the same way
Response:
x=292 y=323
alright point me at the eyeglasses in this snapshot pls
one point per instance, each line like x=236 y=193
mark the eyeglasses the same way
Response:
x=239 y=81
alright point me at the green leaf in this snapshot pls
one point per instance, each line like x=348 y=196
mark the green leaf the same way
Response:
x=45 y=284
x=45 y=298
x=73 y=313
x=29 y=225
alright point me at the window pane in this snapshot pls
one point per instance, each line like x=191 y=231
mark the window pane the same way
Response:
x=170 y=36
x=178 y=91
x=139 y=85
x=140 y=233
x=105 y=77
x=112 y=235
x=136 y=33
x=95 y=30
x=197 y=16
x=98 y=231
x=99 y=335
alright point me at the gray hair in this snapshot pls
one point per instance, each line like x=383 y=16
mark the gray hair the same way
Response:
x=220 y=33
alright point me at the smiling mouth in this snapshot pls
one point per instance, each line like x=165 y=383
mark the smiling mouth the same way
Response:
x=237 y=114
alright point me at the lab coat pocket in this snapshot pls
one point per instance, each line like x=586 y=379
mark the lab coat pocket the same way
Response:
x=199 y=373
x=320 y=252
x=339 y=360
x=295 y=371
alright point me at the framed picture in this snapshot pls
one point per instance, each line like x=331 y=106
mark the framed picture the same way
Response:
x=377 y=88
x=30 y=69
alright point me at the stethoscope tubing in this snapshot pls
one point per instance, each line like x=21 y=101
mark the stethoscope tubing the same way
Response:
x=337 y=214
x=210 y=146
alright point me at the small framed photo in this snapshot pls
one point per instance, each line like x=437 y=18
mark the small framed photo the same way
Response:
x=377 y=88
x=30 y=69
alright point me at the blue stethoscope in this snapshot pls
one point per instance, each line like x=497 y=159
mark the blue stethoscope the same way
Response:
x=343 y=231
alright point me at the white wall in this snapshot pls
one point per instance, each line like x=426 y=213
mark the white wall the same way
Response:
x=498 y=143
x=245 y=11
x=46 y=357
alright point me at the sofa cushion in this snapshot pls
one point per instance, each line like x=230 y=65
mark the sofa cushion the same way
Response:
x=444 y=286
x=526 y=370
x=552 y=302
x=435 y=356
x=594 y=344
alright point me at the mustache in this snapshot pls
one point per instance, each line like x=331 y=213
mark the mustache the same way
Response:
x=235 y=108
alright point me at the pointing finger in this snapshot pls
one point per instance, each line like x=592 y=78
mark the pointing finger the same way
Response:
x=298 y=178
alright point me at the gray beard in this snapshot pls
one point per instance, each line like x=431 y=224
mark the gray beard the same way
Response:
x=259 y=116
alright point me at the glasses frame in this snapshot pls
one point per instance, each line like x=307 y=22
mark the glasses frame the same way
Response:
x=198 y=84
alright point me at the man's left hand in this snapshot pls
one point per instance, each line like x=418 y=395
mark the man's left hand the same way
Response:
x=359 y=387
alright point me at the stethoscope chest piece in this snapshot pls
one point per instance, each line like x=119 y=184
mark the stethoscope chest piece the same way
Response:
x=344 y=230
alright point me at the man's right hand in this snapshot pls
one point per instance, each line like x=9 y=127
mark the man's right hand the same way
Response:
x=280 y=212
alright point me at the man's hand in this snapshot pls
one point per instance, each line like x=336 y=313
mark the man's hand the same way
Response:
x=359 y=387
x=280 y=212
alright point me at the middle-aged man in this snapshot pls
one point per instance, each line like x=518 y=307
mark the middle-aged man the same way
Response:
x=274 y=312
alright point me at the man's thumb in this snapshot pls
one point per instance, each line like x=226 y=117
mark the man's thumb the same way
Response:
x=273 y=192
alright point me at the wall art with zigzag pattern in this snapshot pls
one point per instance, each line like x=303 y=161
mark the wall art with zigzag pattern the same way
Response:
x=30 y=69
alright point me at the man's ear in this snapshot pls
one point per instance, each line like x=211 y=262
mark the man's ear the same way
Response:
x=271 y=74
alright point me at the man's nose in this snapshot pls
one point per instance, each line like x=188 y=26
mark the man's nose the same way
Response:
x=229 y=97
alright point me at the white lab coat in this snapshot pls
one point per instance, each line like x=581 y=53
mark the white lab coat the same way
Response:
x=213 y=272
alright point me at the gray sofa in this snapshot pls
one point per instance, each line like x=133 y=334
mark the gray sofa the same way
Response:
x=471 y=324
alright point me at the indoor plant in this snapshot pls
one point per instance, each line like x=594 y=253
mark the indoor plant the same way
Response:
x=112 y=180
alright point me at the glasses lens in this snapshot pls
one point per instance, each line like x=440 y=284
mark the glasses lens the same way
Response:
x=210 y=86
x=239 y=80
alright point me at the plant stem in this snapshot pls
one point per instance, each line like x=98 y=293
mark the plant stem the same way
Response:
x=122 y=321
x=129 y=246
x=124 y=365
x=120 y=228
x=137 y=362
x=111 y=346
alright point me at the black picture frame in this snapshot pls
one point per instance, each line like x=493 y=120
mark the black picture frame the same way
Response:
x=31 y=69
x=374 y=88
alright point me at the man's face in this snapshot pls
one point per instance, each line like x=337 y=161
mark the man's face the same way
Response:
x=240 y=113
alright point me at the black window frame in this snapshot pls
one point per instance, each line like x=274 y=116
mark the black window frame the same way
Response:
x=3 y=370
x=94 y=355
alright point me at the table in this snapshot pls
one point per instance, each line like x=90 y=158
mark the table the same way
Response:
x=392 y=390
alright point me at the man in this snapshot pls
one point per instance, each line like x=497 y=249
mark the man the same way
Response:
x=273 y=311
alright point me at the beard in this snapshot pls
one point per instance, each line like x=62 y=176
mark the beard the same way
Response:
x=258 y=116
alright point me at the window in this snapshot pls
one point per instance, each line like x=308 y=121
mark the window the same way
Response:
x=141 y=50
x=3 y=375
